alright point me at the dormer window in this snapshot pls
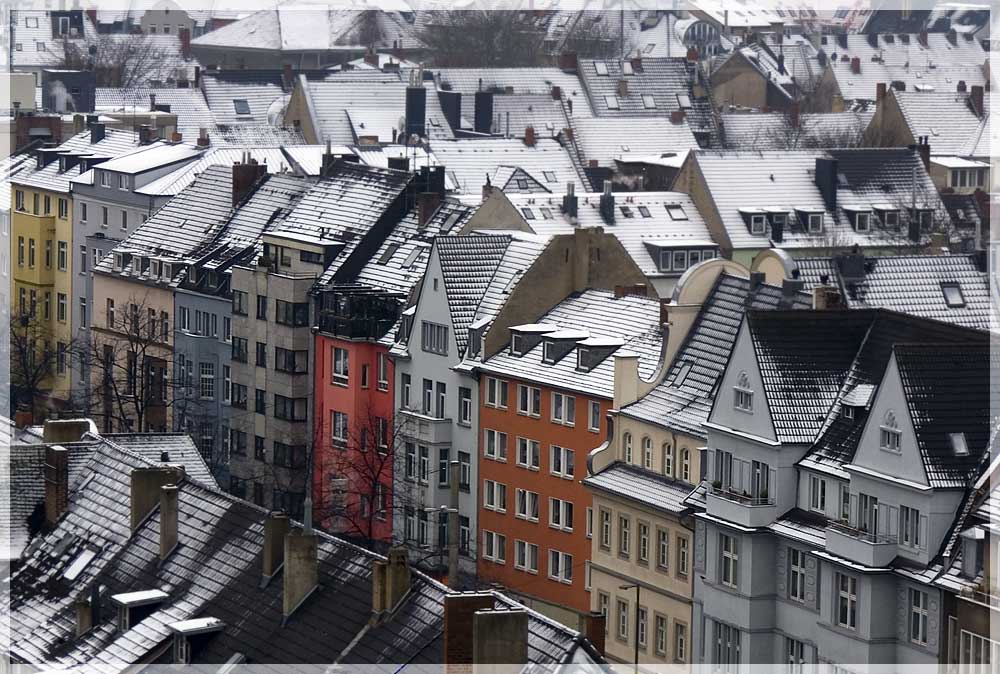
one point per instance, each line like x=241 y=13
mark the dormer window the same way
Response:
x=862 y=222
x=757 y=223
x=119 y=261
x=889 y=435
x=190 y=636
x=582 y=359
x=134 y=607
x=815 y=223
x=890 y=219
x=548 y=351
x=743 y=394
x=848 y=412
x=779 y=220
x=517 y=344
x=105 y=179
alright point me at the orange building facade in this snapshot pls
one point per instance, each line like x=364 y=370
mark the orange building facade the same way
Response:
x=535 y=519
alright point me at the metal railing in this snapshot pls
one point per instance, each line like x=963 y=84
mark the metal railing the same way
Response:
x=862 y=534
x=743 y=498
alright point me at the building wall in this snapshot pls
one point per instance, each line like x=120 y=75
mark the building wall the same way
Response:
x=364 y=405
x=580 y=439
x=739 y=83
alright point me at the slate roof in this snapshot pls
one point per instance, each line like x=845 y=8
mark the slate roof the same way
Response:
x=786 y=180
x=188 y=104
x=662 y=78
x=38 y=48
x=909 y=284
x=261 y=89
x=547 y=117
x=468 y=162
x=256 y=135
x=358 y=103
x=772 y=130
x=608 y=140
x=11 y=167
x=641 y=236
x=180 y=448
x=682 y=402
x=215 y=573
x=274 y=158
x=638 y=485
x=948 y=120
x=636 y=325
x=964 y=210
x=521 y=81
x=114 y=143
x=948 y=389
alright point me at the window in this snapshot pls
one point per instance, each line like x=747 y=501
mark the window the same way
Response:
x=425 y=464
x=364 y=375
x=124 y=220
x=20 y=251
x=662 y=549
x=434 y=338
x=31 y=253
x=240 y=105
x=757 y=223
x=525 y=556
x=726 y=649
x=294 y=314
x=62 y=257
x=529 y=400
x=382 y=372
x=918 y=616
x=641 y=627
x=496 y=393
x=239 y=349
x=441 y=399
x=627 y=447
x=668 y=459
x=428 y=396
x=953 y=296
x=104 y=216
x=680 y=260
x=341 y=369
x=889 y=435
x=527 y=505
x=527 y=453
x=338 y=428
x=260 y=351
x=624 y=544
x=589 y=522
x=847 y=601
x=110 y=310
x=404 y=386
x=660 y=634
x=909 y=526
x=594 y=416
x=730 y=567
x=647 y=452
x=293 y=362
x=60 y=306
x=560 y=566
x=494 y=445
x=817 y=493
x=494 y=545
x=612 y=102
x=642 y=548
x=227 y=381
x=891 y=219
x=563 y=409
x=260 y=401
x=239 y=303
x=560 y=514
x=605 y=529
x=795 y=654
x=743 y=395
x=622 y=610
x=207 y=380
x=796 y=574
x=648 y=102
x=816 y=222
x=862 y=222
x=561 y=462
x=465 y=406
x=494 y=496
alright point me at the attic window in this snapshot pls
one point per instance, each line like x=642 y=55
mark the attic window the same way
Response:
x=241 y=106
x=546 y=213
x=550 y=176
x=953 y=296
x=411 y=258
x=862 y=222
x=959 y=446
x=31 y=22
x=816 y=223
x=627 y=68
x=390 y=250
x=889 y=435
x=79 y=564
x=682 y=373
x=644 y=212
x=848 y=411
x=601 y=68
x=528 y=213
x=548 y=352
x=743 y=394
x=891 y=219
x=627 y=212
x=522 y=183
x=612 y=102
x=757 y=224
x=676 y=212
x=517 y=344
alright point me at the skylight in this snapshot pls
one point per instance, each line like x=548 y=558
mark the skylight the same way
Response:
x=241 y=106
x=601 y=68
x=390 y=250
x=411 y=258
x=644 y=212
x=550 y=176
x=676 y=212
x=648 y=102
x=953 y=296
x=627 y=68
x=528 y=213
x=612 y=102
x=959 y=446
x=682 y=373
x=79 y=564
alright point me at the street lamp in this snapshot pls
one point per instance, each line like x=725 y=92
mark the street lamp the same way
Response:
x=637 y=588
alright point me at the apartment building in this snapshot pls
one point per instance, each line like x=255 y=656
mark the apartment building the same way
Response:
x=42 y=230
x=544 y=404
x=476 y=287
x=840 y=447
x=331 y=231
x=641 y=477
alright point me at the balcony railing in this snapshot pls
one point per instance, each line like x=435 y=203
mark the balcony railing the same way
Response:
x=986 y=598
x=743 y=498
x=863 y=534
x=355 y=328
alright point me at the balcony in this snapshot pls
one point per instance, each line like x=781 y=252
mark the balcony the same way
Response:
x=989 y=599
x=355 y=327
x=741 y=508
x=425 y=429
x=860 y=545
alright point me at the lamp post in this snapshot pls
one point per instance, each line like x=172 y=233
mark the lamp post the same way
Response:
x=637 y=589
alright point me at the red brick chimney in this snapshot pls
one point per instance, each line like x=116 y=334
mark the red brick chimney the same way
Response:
x=793 y=115
x=56 y=483
x=880 y=90
x=23 y=418
x=976 y=99
x=246 y=174
x=692 y=55
x=185 y=36
x=203 y=138
x=556 y=93
x=856 y=65
x=594 y=628
x=568 y=62
x=637 y=63
x=427 y=203
x=371 y=58
x=677 y=116
x=529 y=136
x=459 y=611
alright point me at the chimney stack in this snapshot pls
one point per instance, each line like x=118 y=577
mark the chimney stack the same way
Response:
x=622 y=88
x=595 y=626
x=301 y=572
x=826 y=181
x=499 y=639
x=84 y=615
x=203 y=137
x=483 y=115
x=246 y=175
x=568 y=62
x=451 y=106
x=556 y=93
x=607 y=204
x=145 y=491
x=56 y=483
x=790 y=288
x=637 y=63
x=416 y=110
x=168 y=520
x=856 y=66
x=65 y=430
x=275 y=531
x=793 y=115
x=459 y=611
x=827 y=297
x=327 y=161
x=371 y=58
x=146 y=134
x=390 y=582
x=976 y=98
x=399 y=163
x=96 y=132
x=427 y=204
x=962 y=88
x=23 y=418
x=529 y=136
x=570 y=204
x=185 y=37
x=677 y=116
x=880 y=90
x=692 y=55
x=287 y=78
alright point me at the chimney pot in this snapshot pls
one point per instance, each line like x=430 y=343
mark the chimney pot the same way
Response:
x=529 y=136
x=56 y=483
x=246 y=176
x=856 y=66
x=203 y=140
x=676 y=116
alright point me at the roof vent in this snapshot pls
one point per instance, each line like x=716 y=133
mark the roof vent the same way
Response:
x=959 y=446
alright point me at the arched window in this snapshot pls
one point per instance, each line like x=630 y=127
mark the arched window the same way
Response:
x=889 y=435
x=647 y=452
x=742 y=393
x=668 y=460
x=627 y=447
x=686 y=464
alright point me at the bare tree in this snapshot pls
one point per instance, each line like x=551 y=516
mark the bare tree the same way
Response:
x=595 y=35
x=369 y=30
x=119 y=61
x=131 y=368
x=36 y=356
x=480 y=38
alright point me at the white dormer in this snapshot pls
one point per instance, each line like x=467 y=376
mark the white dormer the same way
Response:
x=133 y=607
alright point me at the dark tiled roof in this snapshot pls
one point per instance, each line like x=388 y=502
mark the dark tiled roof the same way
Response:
x=948 y=389
x=642 y=486
x=683 y=403
x=468 y=264
x=215 y=572
x=909 y=284
x=179 y=447
x=964 y=209
x=662 y=78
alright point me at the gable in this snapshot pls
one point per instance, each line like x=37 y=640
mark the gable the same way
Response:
x=743 y=366
x=907 y=464
x=432 y=306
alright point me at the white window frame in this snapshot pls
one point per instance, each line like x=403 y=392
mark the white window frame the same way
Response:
x=341 y=366
x=796 y=574
x=560 y=566
x=593 y=416
x=758 y=223
x=532 y=451
x=847 y=598
x=560 y=459
x=563 y=409
x=560 y=514
x=729 y=568
x=526 y=505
